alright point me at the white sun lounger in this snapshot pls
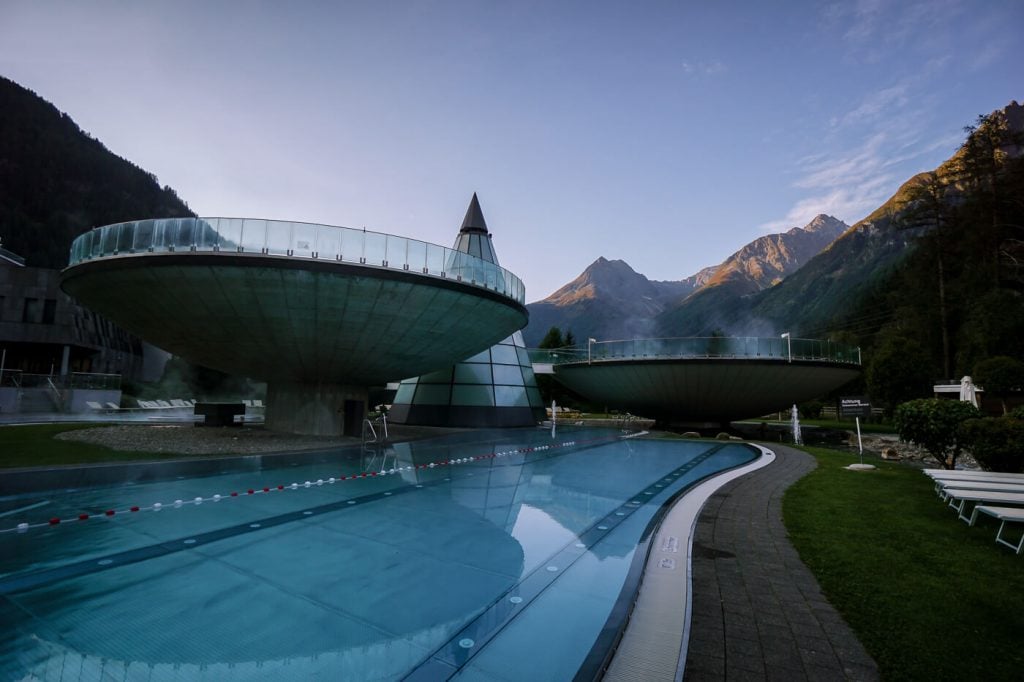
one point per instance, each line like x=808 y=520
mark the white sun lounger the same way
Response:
x=992 y=486
x=1004 y=514
x=945 y=474
x=958 y=499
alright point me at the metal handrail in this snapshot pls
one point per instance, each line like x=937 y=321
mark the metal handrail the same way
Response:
x=295 y=240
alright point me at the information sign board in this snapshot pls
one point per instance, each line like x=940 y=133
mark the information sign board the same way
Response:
x=854 y=406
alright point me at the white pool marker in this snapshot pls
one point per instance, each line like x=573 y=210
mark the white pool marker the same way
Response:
x=198 y=500
x=466 y=643
x=602 y=527
x=307 y=512
x=190 y=541
x=516 y=600
x=105 y=562
x=157 y=506
x=552 y=569
x=254 y=525
x=351 y=502
x=580 y=545
x=620 y=513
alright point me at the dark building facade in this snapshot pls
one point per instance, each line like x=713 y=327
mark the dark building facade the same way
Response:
x=44 y=331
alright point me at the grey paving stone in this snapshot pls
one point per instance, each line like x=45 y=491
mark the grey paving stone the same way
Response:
x=759 y=613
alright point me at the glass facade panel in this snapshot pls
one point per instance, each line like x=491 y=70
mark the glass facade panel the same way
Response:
x=511 y=375
x=511 y=396
x=230 y=233
x=432 y=394
x=405 y=392
x=533 y=394
x=351 y=245
x=505 y=355
x=473 y=374
x=303 y=239
x=417 y=258
x=254 y=235
x=436 y=259
x=396 y=254
x=186 y=233
x=443 y=376
x=482 y=356
x=479 y=396
x=328 y=243
x=279 y=237
x=375 y=248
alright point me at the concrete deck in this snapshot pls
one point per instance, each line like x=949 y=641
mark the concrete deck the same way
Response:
x=758 y=612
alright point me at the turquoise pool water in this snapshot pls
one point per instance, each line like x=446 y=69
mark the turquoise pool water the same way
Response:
x=501 y=561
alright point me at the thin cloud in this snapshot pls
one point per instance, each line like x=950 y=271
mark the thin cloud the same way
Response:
x=704 y=68
x=877 y=104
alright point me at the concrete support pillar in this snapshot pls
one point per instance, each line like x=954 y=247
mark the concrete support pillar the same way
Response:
x=64 y=361
x=316 y=409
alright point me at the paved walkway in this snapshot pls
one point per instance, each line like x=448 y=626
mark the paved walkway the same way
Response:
x=758 y=613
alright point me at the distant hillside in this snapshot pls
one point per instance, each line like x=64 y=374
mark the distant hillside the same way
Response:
x=941 y=263
x=759 y=265
x=56 y=181
x=609 y=300
x=612 y=301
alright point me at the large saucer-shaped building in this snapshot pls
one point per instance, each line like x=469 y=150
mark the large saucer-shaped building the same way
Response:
x=320 y=313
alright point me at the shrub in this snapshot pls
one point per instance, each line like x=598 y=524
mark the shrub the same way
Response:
x=996 y=442
x=811 y=409
x=935 y=425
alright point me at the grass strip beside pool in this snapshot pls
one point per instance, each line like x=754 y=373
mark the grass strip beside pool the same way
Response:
x=928 y=596
x=34 y=445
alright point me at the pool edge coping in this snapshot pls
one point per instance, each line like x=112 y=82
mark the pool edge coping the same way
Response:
x=655 y=641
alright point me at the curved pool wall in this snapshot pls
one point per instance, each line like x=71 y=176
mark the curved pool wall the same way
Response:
x=511 y=540
x=319 y=312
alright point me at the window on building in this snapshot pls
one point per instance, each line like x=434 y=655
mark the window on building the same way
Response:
x=49 y=310
x=30 y=313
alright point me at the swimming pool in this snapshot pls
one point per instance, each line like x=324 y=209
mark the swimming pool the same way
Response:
x=496 y=555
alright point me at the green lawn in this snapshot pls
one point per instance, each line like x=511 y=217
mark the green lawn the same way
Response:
x=930 y=597
x=35 y=445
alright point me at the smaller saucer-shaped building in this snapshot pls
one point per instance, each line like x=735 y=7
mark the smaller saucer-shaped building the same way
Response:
x=706 y=382
x=493 y=388
x=319 y=312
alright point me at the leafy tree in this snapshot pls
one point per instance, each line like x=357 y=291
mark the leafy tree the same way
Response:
x=553 y=339
x=935 y=425
x=997 y=443
x=1000 y=376
x=898 y=371
x=927 y=207
x=570 y=339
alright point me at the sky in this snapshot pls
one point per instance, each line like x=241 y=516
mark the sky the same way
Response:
x=666 y=134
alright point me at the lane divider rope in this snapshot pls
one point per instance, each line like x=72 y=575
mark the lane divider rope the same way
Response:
x=263 y=490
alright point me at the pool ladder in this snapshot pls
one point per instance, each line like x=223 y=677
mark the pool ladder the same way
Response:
x=375 y=438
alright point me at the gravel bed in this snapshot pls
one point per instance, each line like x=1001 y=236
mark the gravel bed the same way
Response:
x=192 y=440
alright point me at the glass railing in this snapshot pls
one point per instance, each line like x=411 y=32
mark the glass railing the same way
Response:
x=743 y=347
x=84 y=380
x=296 y=240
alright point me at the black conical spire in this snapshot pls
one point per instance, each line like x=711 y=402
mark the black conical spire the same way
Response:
x=474 y=220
